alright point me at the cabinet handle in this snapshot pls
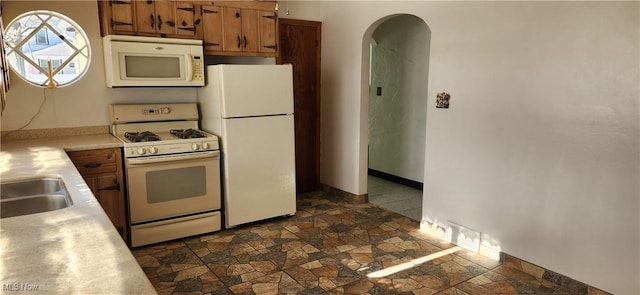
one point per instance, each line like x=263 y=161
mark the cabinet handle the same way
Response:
x=191 y=9
x=159 y=22
x=171 y=23
x=269 y=16
x=115 y=187
x=109 y=156
x=239 y=42
x=119 y=23
x=149 y=2
x=153 y=21
x=274 y=47
x=245 y=41
x=211 y=44
x=208 y=11
x=92 y=165
x=118 y=2
x=192 y=29
x=237 y=14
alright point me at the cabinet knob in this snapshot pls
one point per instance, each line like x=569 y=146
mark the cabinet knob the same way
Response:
x=237 y=14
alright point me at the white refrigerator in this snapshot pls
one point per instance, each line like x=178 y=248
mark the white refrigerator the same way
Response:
x=250 y=109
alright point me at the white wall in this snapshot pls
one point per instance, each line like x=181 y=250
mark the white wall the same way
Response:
x=397 y=118
x=540 y=148
x=86 y=102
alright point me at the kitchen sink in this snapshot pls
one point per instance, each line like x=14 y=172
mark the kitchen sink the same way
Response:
x=30 y=196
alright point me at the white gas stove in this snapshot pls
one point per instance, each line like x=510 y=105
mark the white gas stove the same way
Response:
x=172 y=170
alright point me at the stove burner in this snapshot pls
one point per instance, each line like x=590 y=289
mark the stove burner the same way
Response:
x=141 y=136
x=189 y=133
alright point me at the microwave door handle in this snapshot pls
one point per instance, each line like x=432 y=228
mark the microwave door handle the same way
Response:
x=189 y=62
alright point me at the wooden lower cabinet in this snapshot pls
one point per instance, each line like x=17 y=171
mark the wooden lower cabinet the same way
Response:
x=102 y=171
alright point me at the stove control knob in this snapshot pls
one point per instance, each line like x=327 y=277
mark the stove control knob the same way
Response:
x=205 y=145
x=141 y=151
x=153 y=150
x=195 y=147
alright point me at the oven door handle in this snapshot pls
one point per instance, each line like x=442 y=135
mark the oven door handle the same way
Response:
x=172 y=158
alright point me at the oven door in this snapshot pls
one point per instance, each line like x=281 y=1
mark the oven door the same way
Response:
x=171 y=186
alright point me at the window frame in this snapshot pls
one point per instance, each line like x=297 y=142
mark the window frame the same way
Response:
x=45 y=23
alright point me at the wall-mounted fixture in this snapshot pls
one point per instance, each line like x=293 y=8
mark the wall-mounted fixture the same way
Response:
x=442 y=100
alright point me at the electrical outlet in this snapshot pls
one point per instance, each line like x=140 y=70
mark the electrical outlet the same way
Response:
x=379 y=91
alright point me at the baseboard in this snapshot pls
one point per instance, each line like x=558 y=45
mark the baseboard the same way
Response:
x=396 y=179
x=542 y=273
x=488 y=247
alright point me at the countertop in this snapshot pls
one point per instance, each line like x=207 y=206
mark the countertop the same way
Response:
x=75 y=250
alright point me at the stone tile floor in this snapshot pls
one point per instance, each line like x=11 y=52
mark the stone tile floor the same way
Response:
x=395 y=197
x=331 y=247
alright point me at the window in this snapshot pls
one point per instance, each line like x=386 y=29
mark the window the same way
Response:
x=42 y=38
x=47 y=48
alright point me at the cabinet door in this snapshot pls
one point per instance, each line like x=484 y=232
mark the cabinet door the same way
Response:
x=250 y=30
x=268 y=31
x=145 y=16
x=107 y=189
x=165 y=12
x=212 y=27
x=185 y=19
x=231 y=29
x=121 y=19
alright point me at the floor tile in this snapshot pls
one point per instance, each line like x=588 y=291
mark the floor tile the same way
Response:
x=333 y=247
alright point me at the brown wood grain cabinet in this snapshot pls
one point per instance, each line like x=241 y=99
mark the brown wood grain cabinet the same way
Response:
x=164 y=17
x=102 y=171
x=247 y=28
x=153 y=18
x=116 y=17
x=233 y=28
x=211 y=27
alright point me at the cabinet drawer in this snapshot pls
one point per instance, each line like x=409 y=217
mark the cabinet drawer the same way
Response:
x=95 y=161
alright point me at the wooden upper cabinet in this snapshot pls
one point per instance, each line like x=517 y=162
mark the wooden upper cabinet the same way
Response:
x=247 y=28
x=157 y=16
x=116 y=17
x=268 y=31
x=186 y=19
x=231 y=29
x=212 y=27
x=241 y=28
x=250 y=30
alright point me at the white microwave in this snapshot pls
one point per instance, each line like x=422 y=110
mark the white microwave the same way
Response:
x=149 y=61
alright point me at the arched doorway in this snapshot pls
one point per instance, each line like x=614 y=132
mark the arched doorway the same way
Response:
x=397 y=106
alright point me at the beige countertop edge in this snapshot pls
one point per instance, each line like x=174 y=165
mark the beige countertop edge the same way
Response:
x=75 y=250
